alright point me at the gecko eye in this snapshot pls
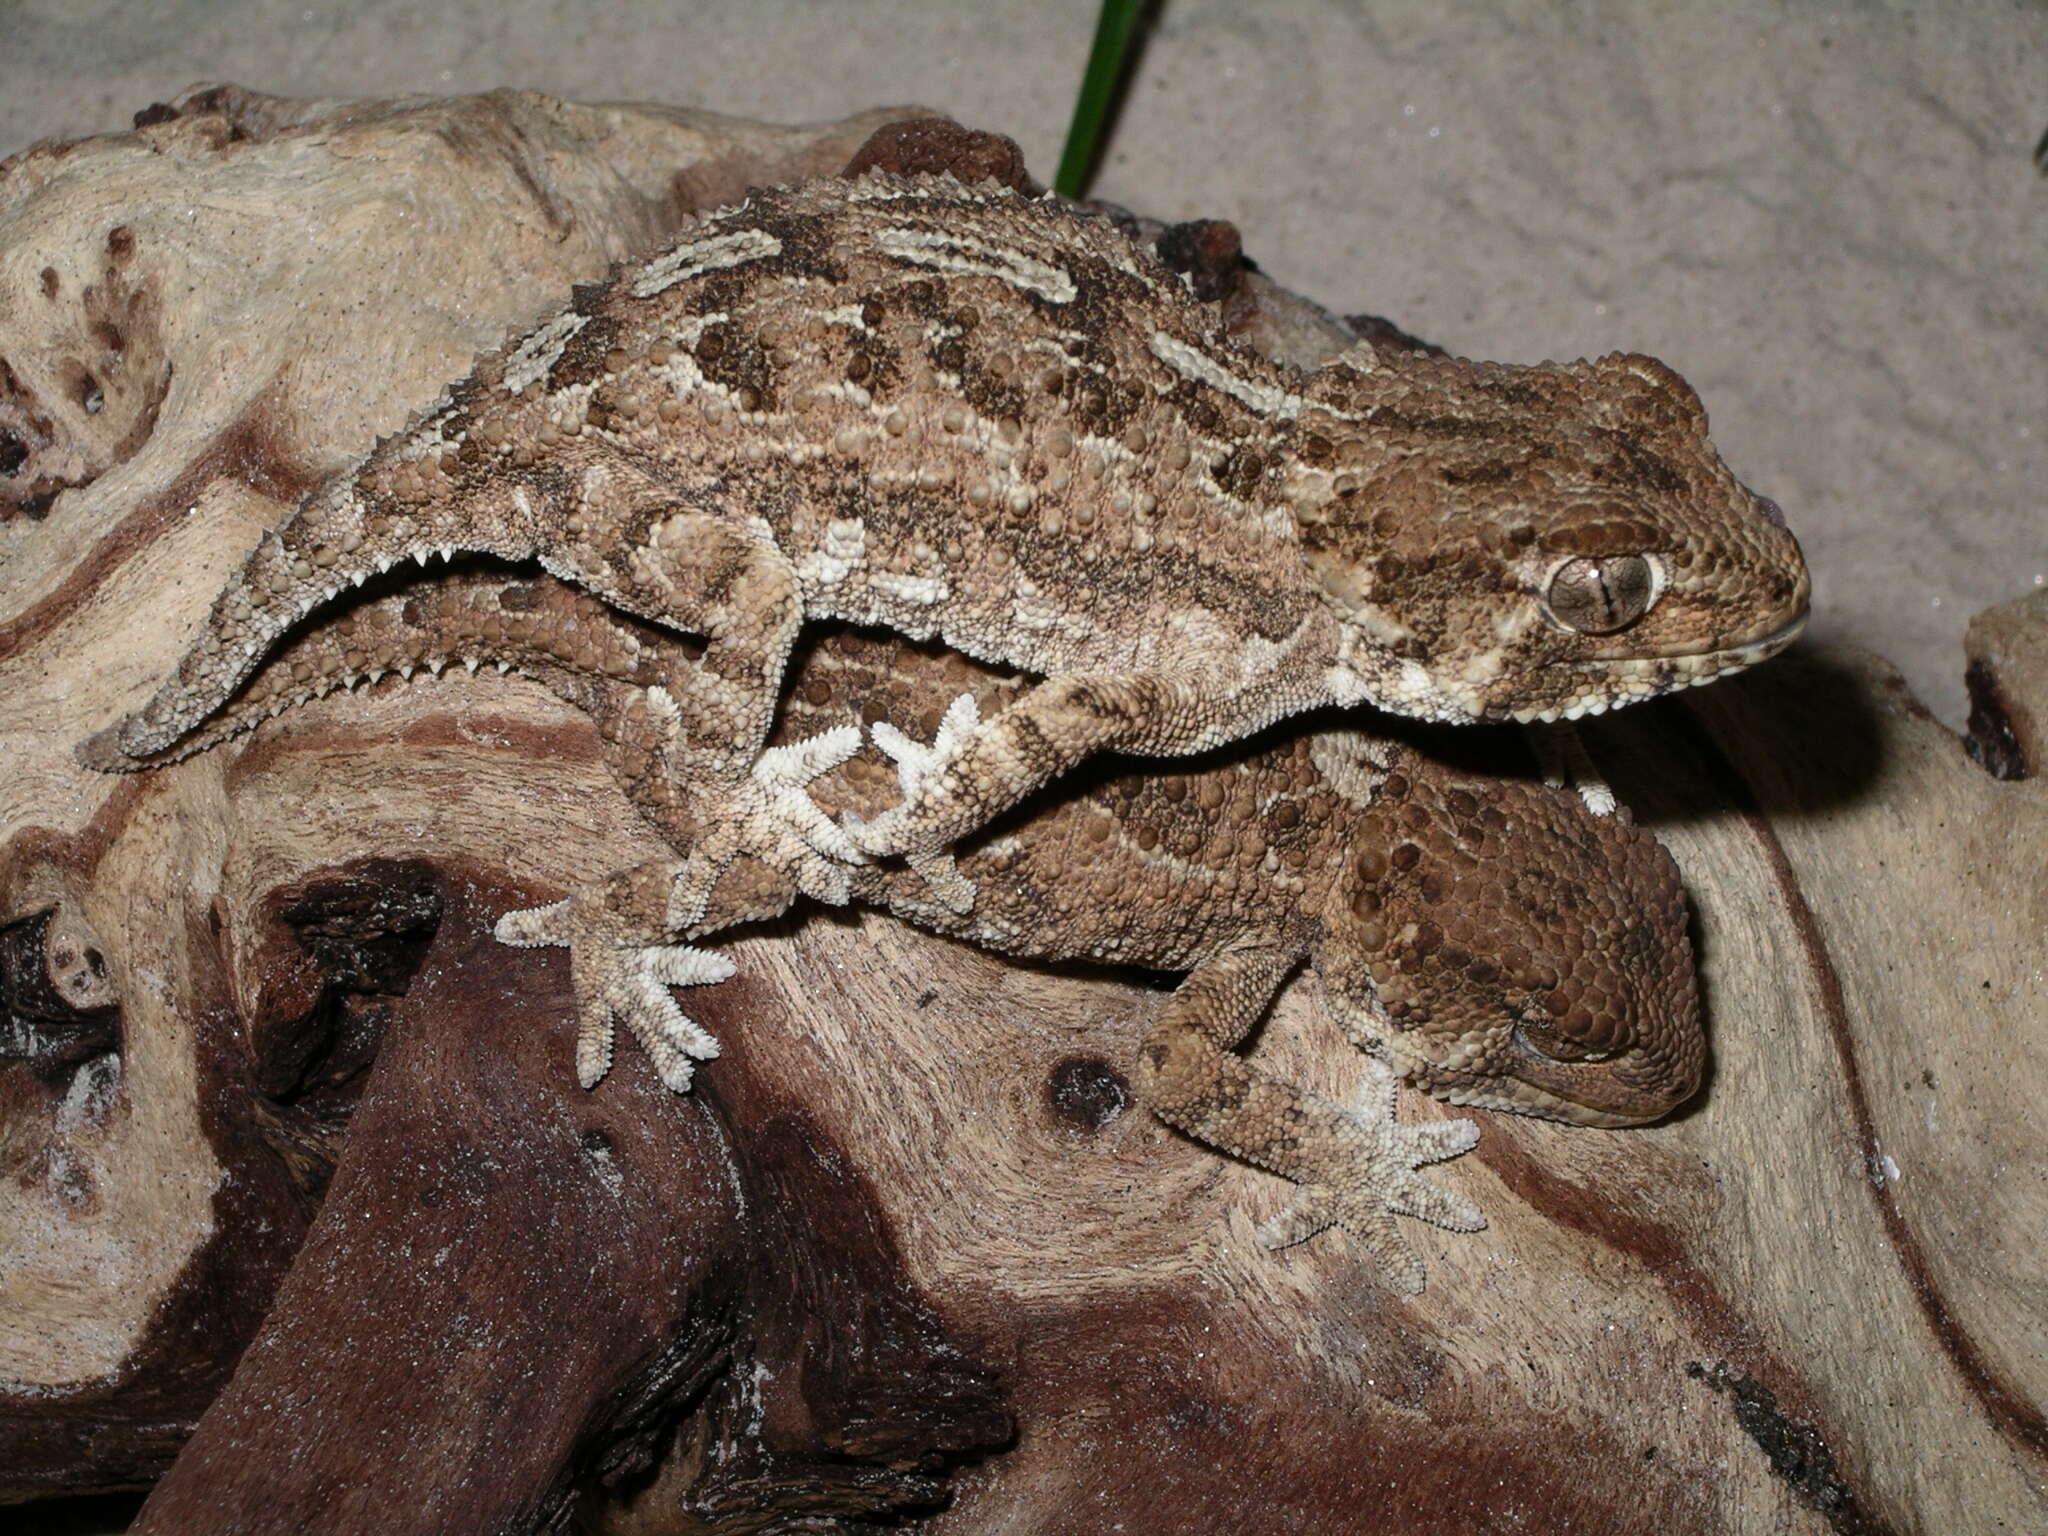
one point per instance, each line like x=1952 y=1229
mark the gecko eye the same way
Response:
x=1599 y=596
x=13 y=452
x=1542 y=1041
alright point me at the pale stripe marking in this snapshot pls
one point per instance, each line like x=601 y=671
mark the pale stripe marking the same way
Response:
x=964 y=256
x=1191 y=363
x=533 y=357
x=717 y=254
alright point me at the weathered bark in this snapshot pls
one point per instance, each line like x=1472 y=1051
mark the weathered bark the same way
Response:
x=910 y=1246
x=502 y=1256
x=200 y=320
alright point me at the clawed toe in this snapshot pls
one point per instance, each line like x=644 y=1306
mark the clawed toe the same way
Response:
x=633 y=985
x=772 y=817
x=1319 y=1206
x=784 y=775
x=1376 y=1180
x=629 y=982
x=893 y=832
x=1565 y=763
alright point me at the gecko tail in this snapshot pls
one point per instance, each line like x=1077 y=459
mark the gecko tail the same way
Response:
x=265 y=599
x=336 y=540
x=102 y=753
x=565 y=640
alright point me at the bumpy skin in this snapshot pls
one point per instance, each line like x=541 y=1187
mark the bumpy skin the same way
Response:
x=1492 y=942
x=975 y=415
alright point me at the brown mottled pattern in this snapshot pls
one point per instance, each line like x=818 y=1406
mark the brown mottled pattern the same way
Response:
x=1494 y=942
x=968 y=413
x=994 y=420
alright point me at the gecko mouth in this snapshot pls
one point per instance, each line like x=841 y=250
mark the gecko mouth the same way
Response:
x=1628 y=1087
x=1628 y=678
x=1743 y=653
x=1521 y=1097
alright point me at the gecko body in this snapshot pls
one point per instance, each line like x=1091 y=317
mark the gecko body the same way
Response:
x=1490 y=941
x=993 y=419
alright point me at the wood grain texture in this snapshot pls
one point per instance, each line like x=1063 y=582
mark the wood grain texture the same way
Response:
x=483 y=1203
x=911 y=1248
x=209 y=276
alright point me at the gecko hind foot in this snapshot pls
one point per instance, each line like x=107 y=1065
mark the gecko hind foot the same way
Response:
x=628 y=981
x=771 y=816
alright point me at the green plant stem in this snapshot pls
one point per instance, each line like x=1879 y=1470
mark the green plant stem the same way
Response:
x=1098 y=87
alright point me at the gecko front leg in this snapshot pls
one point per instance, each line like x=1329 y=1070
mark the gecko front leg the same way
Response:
x=973 y=775
x=1369 y=1177
x=1356 y=1168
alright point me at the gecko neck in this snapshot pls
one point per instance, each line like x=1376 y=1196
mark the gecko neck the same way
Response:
x=1366 y=672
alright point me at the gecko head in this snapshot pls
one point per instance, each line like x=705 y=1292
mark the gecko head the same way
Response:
x=1533 y=543
x=1523 y=953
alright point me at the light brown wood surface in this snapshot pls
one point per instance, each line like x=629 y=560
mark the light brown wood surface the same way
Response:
x=910 y=1247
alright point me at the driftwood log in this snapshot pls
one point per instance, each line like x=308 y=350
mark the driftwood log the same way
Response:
x=910 y=1248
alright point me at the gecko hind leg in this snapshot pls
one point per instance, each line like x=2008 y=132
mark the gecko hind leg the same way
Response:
x=701 y=573
x=617 y=933
x=620 y=931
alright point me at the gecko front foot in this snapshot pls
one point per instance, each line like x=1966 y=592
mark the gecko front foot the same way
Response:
x=629 y=980
x=1565 y=763
x=918 y=768
x=1373 y=1179
x=771 y=816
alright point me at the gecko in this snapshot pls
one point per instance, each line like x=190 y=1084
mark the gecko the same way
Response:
x=1490 y=941
x=969 y=414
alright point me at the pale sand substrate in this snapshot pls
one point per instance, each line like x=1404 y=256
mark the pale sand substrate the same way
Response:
x=1826 y=219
